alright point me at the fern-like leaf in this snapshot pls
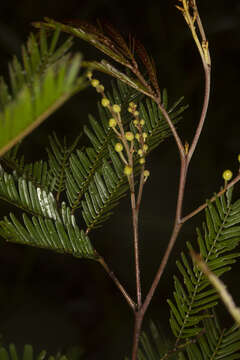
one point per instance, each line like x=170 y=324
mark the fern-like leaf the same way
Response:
x=110 y=42
x=44 y=82
x=58 y=159
x=25 y=195
x=36 y=172
x=154 y=346
x=63 y=237
x=221 y=236
x=89 y=33
x=104 y=192
x=215 y=343
x=11 y=353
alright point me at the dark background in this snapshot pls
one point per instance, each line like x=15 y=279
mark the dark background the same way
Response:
x=54 y=301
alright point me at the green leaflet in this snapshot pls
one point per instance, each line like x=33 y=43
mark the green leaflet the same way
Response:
x=37 y=172
x=11 y=353
x=24 y=194
x=214 y=343
x=43 y=83
x=58 y=159
x=49 y=228
x=63 y=237
x=112 y=44
x=153 y=344
x=194 y=295
x=105 y=190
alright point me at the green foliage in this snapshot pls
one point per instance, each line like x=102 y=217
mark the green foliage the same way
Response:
x=58 y=159
x=214 y=343
x=195 y=295
x=47 y=78
x=93 y=183
x=61 y=236
x=36 y=172
x=110 y=42
x=154 y=345
x=49 y=228
x=92 y=177
x=28 y=354
x=77 y=188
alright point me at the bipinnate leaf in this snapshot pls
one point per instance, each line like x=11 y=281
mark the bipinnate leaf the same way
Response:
x=193 y=293
x=47 y=78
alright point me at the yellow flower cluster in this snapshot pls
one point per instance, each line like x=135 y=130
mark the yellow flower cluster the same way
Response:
x=115 y=123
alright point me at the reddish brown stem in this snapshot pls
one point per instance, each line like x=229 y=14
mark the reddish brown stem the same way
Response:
x=129 y=300
x=213 y=198
x=185 y=157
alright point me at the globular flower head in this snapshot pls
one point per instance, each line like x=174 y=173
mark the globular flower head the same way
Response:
x=137 y=136
x=129 y=136
x=145 y=147
x=116 y=108
x=105 y=102
x=128 y=170
x=146 y=173
x=100 y=88
x=95 y=82
x=112 y=123
x=89 y=75
x=119 y=147
x=227 y=175
x=142 y=160
x=132 y=105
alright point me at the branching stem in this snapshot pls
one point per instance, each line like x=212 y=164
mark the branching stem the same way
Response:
x=191 y=16
x=129 y=300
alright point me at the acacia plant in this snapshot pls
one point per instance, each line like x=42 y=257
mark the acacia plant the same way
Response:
x=65 y=198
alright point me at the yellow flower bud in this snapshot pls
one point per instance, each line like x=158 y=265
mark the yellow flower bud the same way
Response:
x=95 y=82
x=135 y=122
x=105 y=102
x=132 y=104
x=142 y=122
x=137 y=136
x=118 y=147
x=112 y=122
x=100 y=88
x=89 y=75
x=146 y=173
x=227 y=175
x=144 y=134
x=142 y=160
x=127 y=170
x=130 y=110
x=140 y=152
x=136 y=113
x=129 y=136
x=116 y=108
x=145 y=147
